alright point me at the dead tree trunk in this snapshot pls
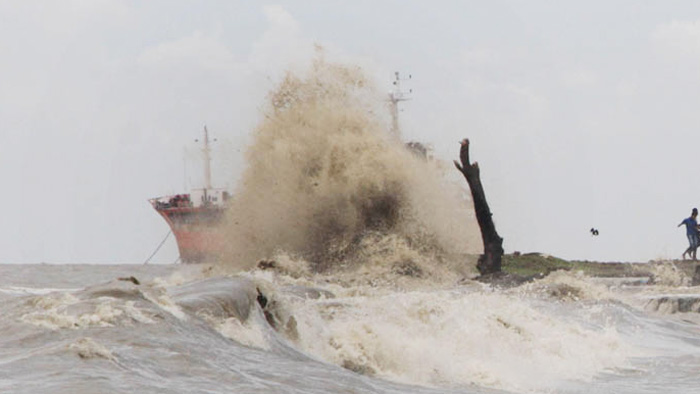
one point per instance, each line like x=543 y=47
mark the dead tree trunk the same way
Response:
x=490 y=261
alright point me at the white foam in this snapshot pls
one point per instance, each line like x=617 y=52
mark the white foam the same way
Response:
x=433 y=338
x=19 y=290
x=65 y=311
x=667 y=274
x=249 y=333
x=567 y=285
x=88 y=348
x=163 y=300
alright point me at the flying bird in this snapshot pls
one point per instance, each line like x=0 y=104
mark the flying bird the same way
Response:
x=594 y=231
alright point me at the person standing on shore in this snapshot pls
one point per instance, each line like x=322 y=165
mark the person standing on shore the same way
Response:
x=691 y=230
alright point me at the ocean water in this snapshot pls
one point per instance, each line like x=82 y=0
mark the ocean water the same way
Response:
x=193 y=329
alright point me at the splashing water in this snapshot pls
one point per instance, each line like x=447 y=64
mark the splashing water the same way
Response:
x=453 y=337
x=667 y=274
x=327 y=183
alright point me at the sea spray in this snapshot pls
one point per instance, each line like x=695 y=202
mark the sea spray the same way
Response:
x=566 y=286
x=666 y=273
x=325 y=178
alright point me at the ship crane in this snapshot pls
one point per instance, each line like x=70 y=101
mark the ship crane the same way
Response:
x=395 y=97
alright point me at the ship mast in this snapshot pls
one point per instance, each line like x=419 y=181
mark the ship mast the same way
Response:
x=395 y=97
x=207 y=160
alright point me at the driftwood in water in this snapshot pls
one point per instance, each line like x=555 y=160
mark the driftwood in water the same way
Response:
x=490 y=261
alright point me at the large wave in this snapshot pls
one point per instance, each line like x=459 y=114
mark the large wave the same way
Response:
x=326 y=182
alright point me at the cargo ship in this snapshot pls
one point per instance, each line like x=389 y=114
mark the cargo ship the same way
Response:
x=195 y=218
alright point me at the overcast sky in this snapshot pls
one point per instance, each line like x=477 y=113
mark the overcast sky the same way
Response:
x=581 y=115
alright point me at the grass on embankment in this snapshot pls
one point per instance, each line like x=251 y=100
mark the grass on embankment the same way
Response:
x=530 y=264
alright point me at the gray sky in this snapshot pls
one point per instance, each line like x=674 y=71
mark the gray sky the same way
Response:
x=581 y=114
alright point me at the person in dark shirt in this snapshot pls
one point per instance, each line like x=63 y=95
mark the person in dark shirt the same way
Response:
x=691 y=230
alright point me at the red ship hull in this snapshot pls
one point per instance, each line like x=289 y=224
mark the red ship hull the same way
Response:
x=197 y=230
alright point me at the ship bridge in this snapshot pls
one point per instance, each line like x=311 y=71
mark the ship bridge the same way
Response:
x=209 y=197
